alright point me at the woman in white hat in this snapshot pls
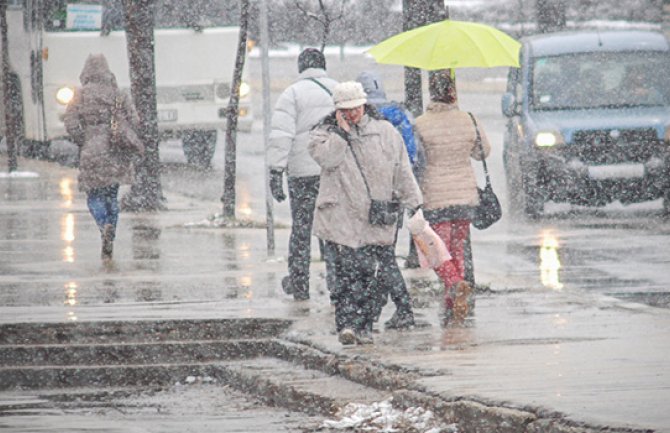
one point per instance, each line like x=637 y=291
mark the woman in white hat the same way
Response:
x=364 y=162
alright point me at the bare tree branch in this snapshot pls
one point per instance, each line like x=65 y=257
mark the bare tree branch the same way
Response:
x=323 y=17
x=307 y=13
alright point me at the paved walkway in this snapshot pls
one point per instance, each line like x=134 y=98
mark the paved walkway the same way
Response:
x=592 y=359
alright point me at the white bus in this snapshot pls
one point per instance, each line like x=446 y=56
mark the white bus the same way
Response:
x=49 y=41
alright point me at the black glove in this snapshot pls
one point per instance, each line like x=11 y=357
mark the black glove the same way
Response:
x=341 y=132
x=277 y=184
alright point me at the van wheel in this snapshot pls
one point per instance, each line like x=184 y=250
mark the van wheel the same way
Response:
x=514 y=183
x=515 y=196
x=533 y=199
x=199 y=147
x=514 y=189
x=533 y=203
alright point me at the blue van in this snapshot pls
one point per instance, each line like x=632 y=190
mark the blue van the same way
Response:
x=588 y=120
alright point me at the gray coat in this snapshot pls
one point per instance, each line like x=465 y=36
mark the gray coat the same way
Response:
x=87 y=120
x=301 y=106
x=342 y=207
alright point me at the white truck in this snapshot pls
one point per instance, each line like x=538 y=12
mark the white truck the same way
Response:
x=194 y=70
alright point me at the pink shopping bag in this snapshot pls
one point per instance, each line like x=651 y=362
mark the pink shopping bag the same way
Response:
x=431 y=249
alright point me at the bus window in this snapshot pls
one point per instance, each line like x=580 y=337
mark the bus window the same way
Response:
x=112 y=16
x=107 y=15
x=54 y=15
x=75 y=15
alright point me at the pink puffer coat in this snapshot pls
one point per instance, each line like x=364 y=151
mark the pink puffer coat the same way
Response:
x=448 y=136
x=87 y=120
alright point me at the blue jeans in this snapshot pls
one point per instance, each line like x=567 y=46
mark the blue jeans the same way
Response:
x=104 y=206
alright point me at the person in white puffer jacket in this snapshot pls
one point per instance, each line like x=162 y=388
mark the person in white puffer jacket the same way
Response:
x=300 y=106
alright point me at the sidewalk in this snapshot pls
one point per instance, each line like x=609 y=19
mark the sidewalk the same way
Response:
x=557 y=355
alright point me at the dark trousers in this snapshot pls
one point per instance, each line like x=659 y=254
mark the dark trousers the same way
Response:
x=391 y=283
x=104 y=206
x=329 y=256
x=356 y=294
x=390 y=280
x=302 y=192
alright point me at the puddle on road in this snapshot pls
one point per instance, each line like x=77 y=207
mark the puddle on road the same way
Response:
x=578 y=267
x=654 y=299
x=126 y=289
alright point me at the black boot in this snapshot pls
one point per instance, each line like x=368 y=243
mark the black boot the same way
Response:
x=412 y=261
x=107 y=242
x=400 y=320
x=286 y=285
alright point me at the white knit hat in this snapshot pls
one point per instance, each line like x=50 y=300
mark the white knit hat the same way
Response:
x=349 y=94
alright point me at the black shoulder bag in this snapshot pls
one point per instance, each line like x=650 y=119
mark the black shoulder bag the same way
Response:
x=382 y=212
x=489 y=210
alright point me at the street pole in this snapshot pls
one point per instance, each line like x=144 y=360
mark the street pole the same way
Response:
x=10 y=126
x=265 y=72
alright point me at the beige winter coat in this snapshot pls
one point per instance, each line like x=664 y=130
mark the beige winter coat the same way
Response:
x=87 y=120
x=448 y=136
x=342 y=207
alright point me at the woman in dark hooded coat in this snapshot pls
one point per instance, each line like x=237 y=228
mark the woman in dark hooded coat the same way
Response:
x=102 y=166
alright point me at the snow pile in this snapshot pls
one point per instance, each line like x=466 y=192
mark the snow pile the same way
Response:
x=191 y=380
x=219 y=221
x=383 y=418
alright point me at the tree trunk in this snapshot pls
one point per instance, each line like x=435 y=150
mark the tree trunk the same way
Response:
x=417 y=13
x=10 y=124
x=440 y=14
x=413 y=99
x=146 y=194
x=666 y=18
x=228 y=197
x=326 y=33
x=550 y=15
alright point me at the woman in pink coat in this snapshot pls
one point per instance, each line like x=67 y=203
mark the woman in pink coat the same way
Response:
x=448 y=183
x=102 y=165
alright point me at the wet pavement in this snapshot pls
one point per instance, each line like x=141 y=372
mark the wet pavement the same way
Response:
x=195 y=407
x=570 y=330
x=567 y=353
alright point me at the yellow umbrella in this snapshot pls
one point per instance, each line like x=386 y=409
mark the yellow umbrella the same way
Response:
x=449 y=44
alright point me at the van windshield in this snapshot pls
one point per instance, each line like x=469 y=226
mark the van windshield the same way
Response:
x=600 y=80
x=82 y=15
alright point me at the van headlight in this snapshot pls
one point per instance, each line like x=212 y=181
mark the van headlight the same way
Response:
x=245 y=89
x=548 y=139
x=64 y=95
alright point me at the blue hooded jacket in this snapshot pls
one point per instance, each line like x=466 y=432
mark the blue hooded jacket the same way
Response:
x=392 y=111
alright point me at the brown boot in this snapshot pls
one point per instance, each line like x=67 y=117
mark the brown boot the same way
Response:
x=107 y=242
x=462 y=293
